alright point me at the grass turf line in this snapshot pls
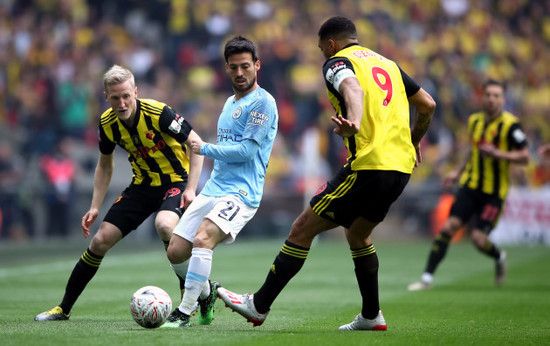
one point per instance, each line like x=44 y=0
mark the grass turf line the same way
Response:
x=463 y=307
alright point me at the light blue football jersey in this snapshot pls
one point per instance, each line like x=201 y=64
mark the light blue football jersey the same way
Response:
x=254 y=117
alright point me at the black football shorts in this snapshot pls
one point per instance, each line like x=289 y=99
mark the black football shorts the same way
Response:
x=480 y=210
x=136 y=203
x=353 y=194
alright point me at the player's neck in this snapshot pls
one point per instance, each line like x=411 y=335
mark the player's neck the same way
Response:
x=492 y=116
x=239 y=95
x=130 y=121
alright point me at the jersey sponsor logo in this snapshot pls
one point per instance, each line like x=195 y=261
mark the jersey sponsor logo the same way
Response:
x=143 y=151
x=225 y=135
x=237 y=113
x=257 y=118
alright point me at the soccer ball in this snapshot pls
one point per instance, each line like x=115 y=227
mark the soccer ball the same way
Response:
x=150 y=306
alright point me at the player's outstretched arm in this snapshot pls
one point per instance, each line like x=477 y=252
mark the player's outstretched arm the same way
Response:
x=102 y=179
x=243 y=151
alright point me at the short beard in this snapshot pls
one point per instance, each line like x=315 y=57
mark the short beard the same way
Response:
x=244 y=89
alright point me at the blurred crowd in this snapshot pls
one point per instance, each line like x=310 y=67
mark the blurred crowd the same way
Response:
x=53 y=54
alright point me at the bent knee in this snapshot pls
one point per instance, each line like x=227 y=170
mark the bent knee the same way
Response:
x=452 y=225
x=172 y=254
x=165 y=222
x=179 y=250
x=302 y=233
x=107 y=236
x=479 y=239
x=164 y=229
x=100 y=244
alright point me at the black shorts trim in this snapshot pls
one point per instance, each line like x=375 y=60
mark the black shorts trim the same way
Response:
x=353 y=194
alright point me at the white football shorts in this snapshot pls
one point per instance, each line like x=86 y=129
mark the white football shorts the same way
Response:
x=229 y=213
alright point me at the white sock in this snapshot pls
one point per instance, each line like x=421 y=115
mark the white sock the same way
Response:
x=200 y=266
x=427 y=278
x=181 y=268
x=205 y=291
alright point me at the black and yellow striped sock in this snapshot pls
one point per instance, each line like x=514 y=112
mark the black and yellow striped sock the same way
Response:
x=438 y=251
x=83 y=272
x=288 y=262
x=366 y=272
x=181 y=280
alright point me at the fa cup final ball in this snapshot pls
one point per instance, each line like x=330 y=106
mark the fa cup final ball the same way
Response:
x=150 y=306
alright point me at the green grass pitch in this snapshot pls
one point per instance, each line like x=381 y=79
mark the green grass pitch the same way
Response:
x=463 y=308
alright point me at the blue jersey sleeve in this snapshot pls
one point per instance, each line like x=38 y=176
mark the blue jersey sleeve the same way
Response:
x=259 y=120
x=244 y=151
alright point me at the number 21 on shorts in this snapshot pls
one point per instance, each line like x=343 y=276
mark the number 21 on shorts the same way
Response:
x=229 y=212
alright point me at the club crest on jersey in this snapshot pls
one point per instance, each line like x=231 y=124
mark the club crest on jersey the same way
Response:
x=135 y=140
x=237 y=113
x=150 y=135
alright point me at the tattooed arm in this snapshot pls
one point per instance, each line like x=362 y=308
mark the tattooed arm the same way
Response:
x=425 y=107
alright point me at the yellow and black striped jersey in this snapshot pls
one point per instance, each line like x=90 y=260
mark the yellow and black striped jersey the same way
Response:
x=154 y=143
x=384 y=139
x=484 y=173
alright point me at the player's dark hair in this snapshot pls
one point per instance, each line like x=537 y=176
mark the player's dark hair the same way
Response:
x=337 y=27
x=239 y=45
x=491 y=81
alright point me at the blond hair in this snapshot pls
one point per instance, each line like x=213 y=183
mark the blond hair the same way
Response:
x=117 y=75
